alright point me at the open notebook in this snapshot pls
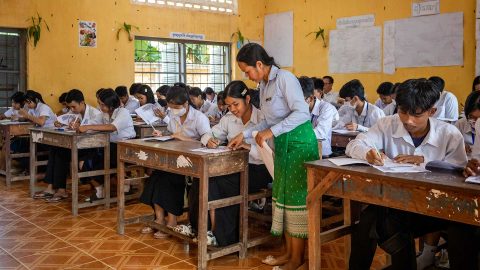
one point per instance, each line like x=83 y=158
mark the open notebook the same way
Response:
x=388 y=167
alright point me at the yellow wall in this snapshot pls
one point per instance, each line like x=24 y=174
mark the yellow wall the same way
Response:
x=311 y=59
x=58 y=64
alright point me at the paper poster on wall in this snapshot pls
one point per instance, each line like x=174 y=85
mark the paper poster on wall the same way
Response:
x=427 y=41
x=477 y=11
x=189 y=36
x=355 y=50
x=356 y=21
x=389 y=47
x=278 y=37
x=423 y=8
x=477 y=29
x=87 y=34
x=477 y=60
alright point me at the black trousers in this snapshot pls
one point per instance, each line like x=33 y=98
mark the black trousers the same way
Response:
x=394 y=231
x=58 y=166
x=258 y=177
x=166 y=190
x=98 y=160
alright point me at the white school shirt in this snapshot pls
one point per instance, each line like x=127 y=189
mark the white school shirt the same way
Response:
x=195 y=126
x=43 y=109
x=215 y=112
x=92 y=116
x=369 y=116
x=390 y=108
x=132 y=104
x=331 y=97
x=323 y=116
x=447 y=107
x=11 y=112
x=476 y=145
x=230 y=126
x=123 y=122
x=379 y=103
x=468 y=132
x=214 y=100
x=282 y=103
x=443 y=142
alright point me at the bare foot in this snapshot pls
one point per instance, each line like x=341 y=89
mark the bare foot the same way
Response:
x=271 y=260
x=292 y=265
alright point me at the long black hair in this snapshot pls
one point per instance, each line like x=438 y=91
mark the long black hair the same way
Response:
x=475 y=82
x=108 y=97
x=178 y=95
x=472 y=103
x=33 y=96
x=238 y=89
x=252 y=52
x=146 y=91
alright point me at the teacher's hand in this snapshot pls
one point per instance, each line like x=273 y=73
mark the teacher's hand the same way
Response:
x=236 y=142
x=262 y=136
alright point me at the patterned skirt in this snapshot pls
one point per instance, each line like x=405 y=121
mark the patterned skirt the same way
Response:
x=289 y=192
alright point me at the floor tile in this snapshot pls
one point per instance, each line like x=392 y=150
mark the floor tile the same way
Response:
x=58 y=259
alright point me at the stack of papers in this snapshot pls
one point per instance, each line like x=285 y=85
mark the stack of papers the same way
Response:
x=147 y=114
x=345 y=131
x=388 y=167
x=160 y=139
x=66 y=119
x=473 y=180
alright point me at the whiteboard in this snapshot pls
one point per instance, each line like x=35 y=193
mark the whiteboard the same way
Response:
x=427 y=41
x=355 y=50
x=278 y=37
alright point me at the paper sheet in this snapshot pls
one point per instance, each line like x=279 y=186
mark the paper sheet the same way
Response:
x=161 y=138
x=220 y=149
x=347 y=161
x=473 y=180
x=66 y=119
x=392 y=167
x=266 y=153
x=389 y=47
x=147 y=114
x=344 y=131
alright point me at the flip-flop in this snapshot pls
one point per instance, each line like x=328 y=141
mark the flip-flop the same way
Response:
x=146 y=230
x=277 y=268
x=160 y=235
x=270 y=260
x=43 y=195
x=184 y=229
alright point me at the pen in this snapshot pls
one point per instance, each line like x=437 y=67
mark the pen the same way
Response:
x=152 y=126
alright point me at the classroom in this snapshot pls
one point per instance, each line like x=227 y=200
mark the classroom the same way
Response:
x=240 y=134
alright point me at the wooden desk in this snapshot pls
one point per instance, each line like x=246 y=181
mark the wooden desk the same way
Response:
x=9 y=130
x=73 y=141
x=433 y=194
x=144 y=130
x=168 y=156
x=341 y=140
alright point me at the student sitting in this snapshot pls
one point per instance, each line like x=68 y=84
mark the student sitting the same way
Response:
x=318 y=87
x=116 y=120
x=197 y=99
x=215 y=113
x=58 y=165
x=164 y=191
x=38 y=113
x=162 y=112
x=466 y=125
x=210 y=95
x=128 y=102
x=224 y=221
x=386 y=93
x=447 y=105
x=62 y=101
x=323 y=115
x=391 y=108
x=411 y=136
x=18 y=102
x=357 y=113
x=329 y=95
x=476 y=84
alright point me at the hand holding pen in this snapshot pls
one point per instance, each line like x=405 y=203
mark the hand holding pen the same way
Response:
x=374 y=157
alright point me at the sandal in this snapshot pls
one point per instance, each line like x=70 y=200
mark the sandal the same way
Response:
x=146 y=230
x=160 y=235
x=93 y=198
x=211 y=240
x=270 y=260
x=43 y=195
x=55 y=198
x=184 y=229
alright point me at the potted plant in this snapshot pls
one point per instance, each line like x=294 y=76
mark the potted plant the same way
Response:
x=240 y=38
x=319 y=33
x=128 y=29
x=34 y=30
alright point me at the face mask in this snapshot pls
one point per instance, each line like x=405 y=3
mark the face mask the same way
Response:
x=472 y=123
x=162 y=102
x=179 y=112
x=349 y=104
x=64 y=110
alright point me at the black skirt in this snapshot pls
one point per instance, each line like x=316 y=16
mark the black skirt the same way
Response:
x=166 y=190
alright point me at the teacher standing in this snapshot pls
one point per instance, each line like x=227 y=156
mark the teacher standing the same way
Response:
x=287 y=120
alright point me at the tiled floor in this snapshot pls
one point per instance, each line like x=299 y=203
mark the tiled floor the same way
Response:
x=38 y=235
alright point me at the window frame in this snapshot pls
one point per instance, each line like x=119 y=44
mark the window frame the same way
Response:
x=182 y=61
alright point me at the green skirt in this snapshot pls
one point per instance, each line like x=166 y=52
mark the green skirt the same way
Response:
x=289 y=192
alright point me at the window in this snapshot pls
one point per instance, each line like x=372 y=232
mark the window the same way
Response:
x=159 y=62
x=217 y=6
x=12 y=65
